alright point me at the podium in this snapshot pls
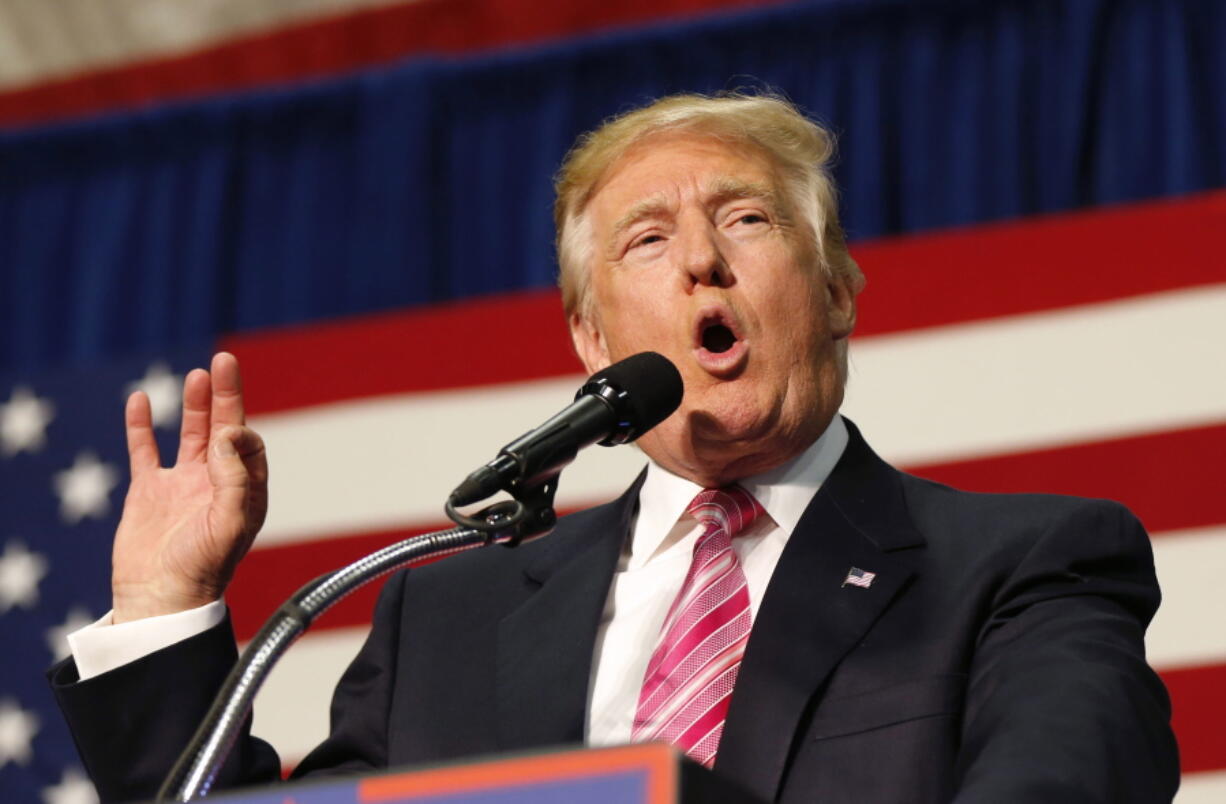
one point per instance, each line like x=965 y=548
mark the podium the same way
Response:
x=633 y=774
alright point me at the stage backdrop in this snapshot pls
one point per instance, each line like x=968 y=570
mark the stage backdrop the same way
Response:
x=1030 y=188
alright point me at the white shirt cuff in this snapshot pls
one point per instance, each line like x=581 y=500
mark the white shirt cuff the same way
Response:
x=102 y=646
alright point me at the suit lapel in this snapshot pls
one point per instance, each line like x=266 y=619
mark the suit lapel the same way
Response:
x=809 y=619
x=545 y=645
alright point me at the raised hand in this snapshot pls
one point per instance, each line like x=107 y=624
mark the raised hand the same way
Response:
x=185 y=528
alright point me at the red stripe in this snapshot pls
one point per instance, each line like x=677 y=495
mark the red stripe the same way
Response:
x=1036 y=265
x=1041 y=263
x=338 y=45
x=267 y=577
x=1170 y=480
x=716 y=712
x=1199 y=707
x=1199 y=712
x=504 y=339
x=1138 y=471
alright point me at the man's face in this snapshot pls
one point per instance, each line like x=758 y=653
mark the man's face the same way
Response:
x=699 y=255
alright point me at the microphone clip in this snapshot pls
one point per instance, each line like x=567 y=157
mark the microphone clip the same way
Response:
x=526 y=516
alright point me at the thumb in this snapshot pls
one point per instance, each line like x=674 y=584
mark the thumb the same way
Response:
x=226 y=467
x=223 y=443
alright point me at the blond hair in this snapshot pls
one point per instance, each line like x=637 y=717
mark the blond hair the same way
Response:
x=800 y=149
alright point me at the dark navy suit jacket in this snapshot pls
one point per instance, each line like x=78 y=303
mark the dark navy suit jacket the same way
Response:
x=996 y=657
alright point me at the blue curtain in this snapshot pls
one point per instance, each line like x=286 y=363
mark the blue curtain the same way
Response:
x=432 y=180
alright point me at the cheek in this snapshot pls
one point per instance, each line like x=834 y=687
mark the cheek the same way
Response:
x=637 y=311
x=804 y=331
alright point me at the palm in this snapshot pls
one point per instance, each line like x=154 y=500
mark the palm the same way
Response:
x=169 y=524
x=185 y=527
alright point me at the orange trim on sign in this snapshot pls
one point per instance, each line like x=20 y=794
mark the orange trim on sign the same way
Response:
x=658 y=760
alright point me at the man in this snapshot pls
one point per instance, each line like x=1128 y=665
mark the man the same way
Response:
x=836 y=631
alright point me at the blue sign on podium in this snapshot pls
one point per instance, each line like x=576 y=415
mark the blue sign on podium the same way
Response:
x=632 y=774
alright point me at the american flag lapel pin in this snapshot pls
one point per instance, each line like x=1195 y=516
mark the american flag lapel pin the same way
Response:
x=859 y=577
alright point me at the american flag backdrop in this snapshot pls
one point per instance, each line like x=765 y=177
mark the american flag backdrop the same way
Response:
x=1078 y=353
x=1015 y=380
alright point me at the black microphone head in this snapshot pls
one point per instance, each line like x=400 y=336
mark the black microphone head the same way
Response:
x=644 y=390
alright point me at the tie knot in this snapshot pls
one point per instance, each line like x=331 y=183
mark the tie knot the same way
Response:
x=730 y=509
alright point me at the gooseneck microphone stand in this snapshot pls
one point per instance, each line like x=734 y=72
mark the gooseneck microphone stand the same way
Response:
x=616 y=405
x=529 y=515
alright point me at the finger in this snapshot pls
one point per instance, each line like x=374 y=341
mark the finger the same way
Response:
x=194 y=430
x=237 y=458
x=232 y=481
x=227 y=391
x=250 y=447
x=138 y=423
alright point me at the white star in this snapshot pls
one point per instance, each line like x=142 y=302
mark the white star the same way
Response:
x=165 y=392
x=23 y=422
x=17 y=730
x=57 y=636
x=85 y=488
x=20 y=572
x=74 y=788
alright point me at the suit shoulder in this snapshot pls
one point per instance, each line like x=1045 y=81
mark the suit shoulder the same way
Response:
x=1018 y=522
x=1015 y=544
x=928 y=498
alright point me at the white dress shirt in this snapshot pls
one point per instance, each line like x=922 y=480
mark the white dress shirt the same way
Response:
x=657 y=556
x=102 y=645
x=649 y=574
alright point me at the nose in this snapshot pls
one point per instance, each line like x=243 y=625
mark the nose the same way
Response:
x=703 y=260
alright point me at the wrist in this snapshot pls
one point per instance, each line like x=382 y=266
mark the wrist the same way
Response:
x=129 y=604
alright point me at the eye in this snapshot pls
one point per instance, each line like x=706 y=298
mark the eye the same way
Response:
x=751 y=218
x=646 y=240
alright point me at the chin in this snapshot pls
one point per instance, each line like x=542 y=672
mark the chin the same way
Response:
x=716 y=449
x=736 y=412
x=724 y=436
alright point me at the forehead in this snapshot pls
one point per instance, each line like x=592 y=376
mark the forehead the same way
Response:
x=672 y=168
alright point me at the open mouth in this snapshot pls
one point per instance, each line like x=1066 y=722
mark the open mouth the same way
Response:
x=720 y=346
x=717 y=333
x=717 y=338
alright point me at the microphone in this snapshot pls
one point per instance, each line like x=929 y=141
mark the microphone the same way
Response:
x=615 y=406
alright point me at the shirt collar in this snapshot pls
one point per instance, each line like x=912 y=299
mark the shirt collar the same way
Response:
x=785 y=491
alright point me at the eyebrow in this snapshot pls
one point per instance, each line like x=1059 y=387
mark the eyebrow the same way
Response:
x=719 y=192
x=647 y=208
x=727 y=189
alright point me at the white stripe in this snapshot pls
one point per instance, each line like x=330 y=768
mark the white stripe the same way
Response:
x=717 y=565
x=1043 y=379
x=680 y=604
x=704 y=757
x=1202 y=788
x=291 y=711
x=712 y=513
x=1009 y=384
x=384 y=462
x=714 y=572
x=647 y=708
x=42 y=41
x=710 y=672
x=728 y=663
x=679 y=638
x=1188 y=627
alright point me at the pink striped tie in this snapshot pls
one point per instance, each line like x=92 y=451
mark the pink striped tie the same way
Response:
x=689 y=679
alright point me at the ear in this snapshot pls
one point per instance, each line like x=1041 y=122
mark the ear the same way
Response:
x=841 y=306
x=589 y=343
